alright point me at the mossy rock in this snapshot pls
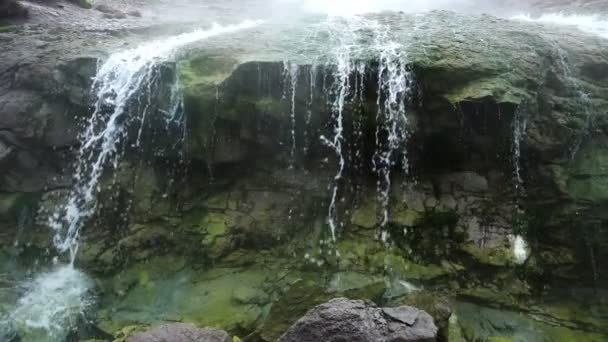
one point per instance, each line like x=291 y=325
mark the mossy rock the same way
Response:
x=454 y=330
x=500 y=256
x=126 y=332
x=406 y=218
x=365 y=216
x=150 y=293
x=7 y=28
x=88 y=4
x=11 y=204
x=588 y=176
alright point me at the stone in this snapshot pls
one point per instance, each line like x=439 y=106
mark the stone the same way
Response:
x=110 y=12
x=180 y=332
x=342 y=319
x=301 y=296
x=5 y=151
x=407 y=218
x=249 y=295
x=466 y=181
x=87 y=4
x=365 y=216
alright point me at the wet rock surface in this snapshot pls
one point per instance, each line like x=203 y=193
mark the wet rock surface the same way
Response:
x=346 y=320
x=177 y=332
x=233 y=236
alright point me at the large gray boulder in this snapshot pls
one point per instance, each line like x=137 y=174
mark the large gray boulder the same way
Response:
x=342 y=319
x=180 y=332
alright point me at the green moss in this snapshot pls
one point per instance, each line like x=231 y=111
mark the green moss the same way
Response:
x=454 y=330
x=204 y=69
x=7 y=28
x=270 y=106
x=85 y=4
x=500 y=339
x=215 y=225
x=500 y=256
x=124 y=333
x=412 y=270
x=221 y=201
x=407 y=217
x=588 y=176
x=11 y=204
x=365 y=216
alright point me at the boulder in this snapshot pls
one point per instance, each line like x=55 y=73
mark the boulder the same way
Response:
x=180 y=332
x=342 y=319
x=110 y=12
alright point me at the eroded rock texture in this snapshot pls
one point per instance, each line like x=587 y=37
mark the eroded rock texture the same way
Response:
x=346 y=320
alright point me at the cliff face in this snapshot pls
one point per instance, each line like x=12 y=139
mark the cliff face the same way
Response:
x=505 y=139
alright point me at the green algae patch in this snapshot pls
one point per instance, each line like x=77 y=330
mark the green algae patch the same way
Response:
x=588 y=176
x=406 y=217
x=365 y=216
x=500 y=256
x=7 y=28
x=11 y=204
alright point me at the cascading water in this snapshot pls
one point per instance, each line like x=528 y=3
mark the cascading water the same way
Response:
x=119 y=80
x=291 y=71
x=125 y=88
x=340 y=91
x=394 y=90
x=520 y=125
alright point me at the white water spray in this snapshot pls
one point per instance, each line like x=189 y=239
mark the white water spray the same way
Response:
x=394 y=90
x=118 y=80
x=520 y=125
x=52 y=304
x=343 y=31
x=520 y=249
x=53 y=301
x=292 y=72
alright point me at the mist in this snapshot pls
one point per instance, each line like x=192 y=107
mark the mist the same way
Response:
x=354 y=7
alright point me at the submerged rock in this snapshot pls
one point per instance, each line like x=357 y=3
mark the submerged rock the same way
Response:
x=349 y=320
x=179 y=332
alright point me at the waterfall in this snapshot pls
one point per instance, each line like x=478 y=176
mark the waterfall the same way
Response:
x=394 y=90
x=125 y=88
x=119 y=80
x=395 y=83
x=291 y=72
x=519 y=127
x=340 y=92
